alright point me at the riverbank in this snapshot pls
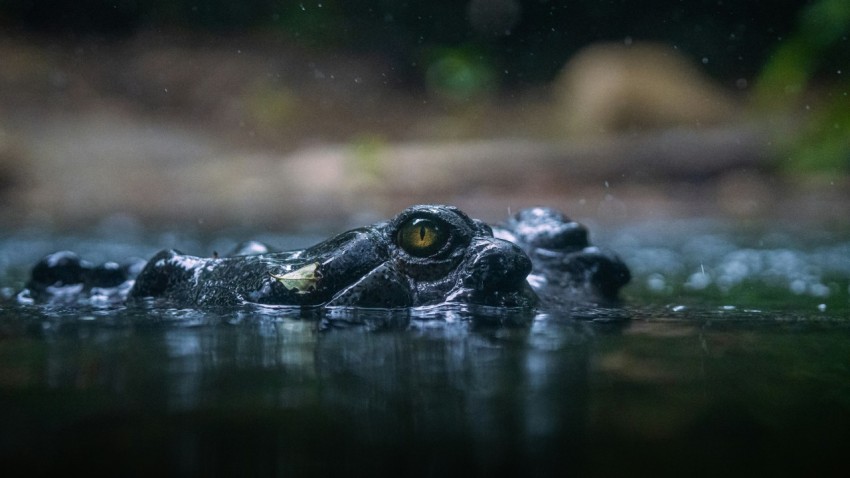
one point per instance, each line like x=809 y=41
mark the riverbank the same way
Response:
x=172 y=130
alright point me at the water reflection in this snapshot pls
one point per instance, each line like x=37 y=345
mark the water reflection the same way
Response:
x=492 y=390
x=434 y=394
x=260 y=391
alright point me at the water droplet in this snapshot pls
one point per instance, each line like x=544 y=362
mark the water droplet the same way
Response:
x=698 y=281
x=705 y=60
x=819 y=290
x=302 y=7
x=656 y=283
x=822 y=307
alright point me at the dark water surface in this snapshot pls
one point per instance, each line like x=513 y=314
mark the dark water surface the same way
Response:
x=731 y=354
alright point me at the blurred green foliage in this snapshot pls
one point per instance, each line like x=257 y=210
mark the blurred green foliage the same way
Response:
x=809 y=76
x=797 y=50
x=529 y=39
x=459 y=74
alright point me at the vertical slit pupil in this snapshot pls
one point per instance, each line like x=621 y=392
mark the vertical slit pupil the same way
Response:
x=421 y=237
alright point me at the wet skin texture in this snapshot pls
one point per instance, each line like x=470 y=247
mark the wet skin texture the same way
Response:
x=565 y=267
x=428 y=254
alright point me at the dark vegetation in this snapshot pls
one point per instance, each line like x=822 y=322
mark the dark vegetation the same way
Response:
x=529 y=39
x=464 y=48
x=371 y=78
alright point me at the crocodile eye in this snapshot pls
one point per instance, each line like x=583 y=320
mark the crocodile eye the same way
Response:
x=421 y=237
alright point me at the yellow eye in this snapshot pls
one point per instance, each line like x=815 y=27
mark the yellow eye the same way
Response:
x=421 y=237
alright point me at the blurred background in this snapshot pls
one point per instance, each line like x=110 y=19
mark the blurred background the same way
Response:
x=293 y=115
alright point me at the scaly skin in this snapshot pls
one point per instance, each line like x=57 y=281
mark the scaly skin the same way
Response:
x=426 y=255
